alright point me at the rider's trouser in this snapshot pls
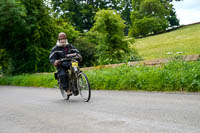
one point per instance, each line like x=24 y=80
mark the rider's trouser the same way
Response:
x=63 y=78
x=63 y=75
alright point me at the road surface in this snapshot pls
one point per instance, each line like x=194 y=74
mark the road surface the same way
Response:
x=42 y=110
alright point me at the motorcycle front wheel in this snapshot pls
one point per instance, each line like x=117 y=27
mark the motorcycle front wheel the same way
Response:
x=84 y=86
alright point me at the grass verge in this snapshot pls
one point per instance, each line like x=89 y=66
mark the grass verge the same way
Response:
x=36 y=80
x=175 y=76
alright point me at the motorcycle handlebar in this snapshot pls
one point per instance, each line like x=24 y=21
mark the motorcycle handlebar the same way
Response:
x=70 y=57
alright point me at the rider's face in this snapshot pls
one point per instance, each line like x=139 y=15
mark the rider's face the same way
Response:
x=63 y=41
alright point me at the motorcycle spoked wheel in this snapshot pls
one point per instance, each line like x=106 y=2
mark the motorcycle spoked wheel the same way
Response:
x=84 y=87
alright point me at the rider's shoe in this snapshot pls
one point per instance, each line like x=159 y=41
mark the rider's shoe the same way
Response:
x=69 y=93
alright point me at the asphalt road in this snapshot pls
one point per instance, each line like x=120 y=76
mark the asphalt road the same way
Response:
x=42 y=110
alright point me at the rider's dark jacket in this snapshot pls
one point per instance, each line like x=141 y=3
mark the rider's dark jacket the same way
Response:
x=58 y=52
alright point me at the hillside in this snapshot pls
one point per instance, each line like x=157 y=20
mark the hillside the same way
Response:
x=183 y=41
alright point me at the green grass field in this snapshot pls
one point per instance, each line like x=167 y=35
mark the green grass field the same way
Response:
x=185 y=41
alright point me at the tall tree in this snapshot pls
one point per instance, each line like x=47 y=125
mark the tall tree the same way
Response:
x=171 y=17
x=27 y=33
x=13 y=27
x=111 y=47
x=77 y=12
x=152 y=16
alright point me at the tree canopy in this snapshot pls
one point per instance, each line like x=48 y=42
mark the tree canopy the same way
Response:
x=80 y=13
x=151 y=16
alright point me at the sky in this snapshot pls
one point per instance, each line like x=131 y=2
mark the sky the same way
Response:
x=188 y=11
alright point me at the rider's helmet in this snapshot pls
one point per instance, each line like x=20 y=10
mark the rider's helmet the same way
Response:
x=62 y=35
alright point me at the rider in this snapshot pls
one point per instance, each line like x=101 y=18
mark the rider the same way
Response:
x=61 y=50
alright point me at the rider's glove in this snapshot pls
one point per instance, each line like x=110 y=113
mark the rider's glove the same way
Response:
x=71 y=55
x=56 y=63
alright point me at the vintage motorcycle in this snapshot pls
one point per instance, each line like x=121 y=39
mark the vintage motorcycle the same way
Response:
x=78 y=81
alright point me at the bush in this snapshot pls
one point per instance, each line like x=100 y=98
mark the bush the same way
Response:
x=109 y=30
x=145 y=26
x=87 y=48
x=62 y=26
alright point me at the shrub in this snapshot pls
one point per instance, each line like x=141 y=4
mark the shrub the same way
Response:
x=147 y=26
x=86 y=46
x=109 y=29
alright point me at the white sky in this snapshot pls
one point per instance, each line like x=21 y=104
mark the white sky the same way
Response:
x=188 y=11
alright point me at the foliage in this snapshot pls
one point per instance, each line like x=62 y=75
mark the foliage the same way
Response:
x=66 y=27
x=175 y=76
x=148 y=18
x=3 y=60
x=151 y=17
x=86 y=44
x=111 y=46
x=171 y=17
x=81 y=13
x=28 y=31
x=37 y=80
x=13 y=27
x=83 y=42
x=148 y=25
x=40 y=38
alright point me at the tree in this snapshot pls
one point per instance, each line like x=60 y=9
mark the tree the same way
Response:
x=3 y=60
x=111 y=47
x=80 y=13
x=86 y=44
x=171 y=17
x=41 y=37
x=159 y=13
x=27 y=34
x=12 y=28
x=62 y=26
x=149 y=17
